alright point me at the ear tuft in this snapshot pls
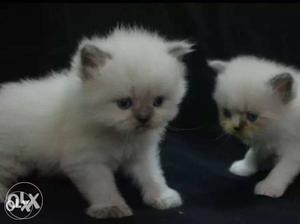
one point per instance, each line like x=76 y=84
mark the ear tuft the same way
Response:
x=217 y=65
x=180 y=48
x=282 y=84
x=92 y=58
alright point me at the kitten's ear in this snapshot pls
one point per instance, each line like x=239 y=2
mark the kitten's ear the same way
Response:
x=179 y=48
x=92 y=58
x=217 y=65
x=282 y=84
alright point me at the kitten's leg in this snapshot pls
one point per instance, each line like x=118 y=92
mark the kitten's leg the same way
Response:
x=96 y=182
x=248 y=165
x=148 y=174
x=284 y=172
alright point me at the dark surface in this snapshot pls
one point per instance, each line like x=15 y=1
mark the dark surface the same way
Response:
x=37 y=38
x=196 y=167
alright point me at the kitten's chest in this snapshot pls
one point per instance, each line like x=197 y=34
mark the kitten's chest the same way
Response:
x=123 y=152
x=117 y=150
x=267 y=142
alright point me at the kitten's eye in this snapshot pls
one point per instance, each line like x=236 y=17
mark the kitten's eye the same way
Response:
x=124 y=103
x=227 y=113
x=158 y=101
x=252 y=116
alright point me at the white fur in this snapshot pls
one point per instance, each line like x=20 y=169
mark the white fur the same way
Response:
x=65 y=123
x=242 y=85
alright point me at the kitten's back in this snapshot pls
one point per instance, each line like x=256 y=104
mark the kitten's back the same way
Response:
x=31 y=110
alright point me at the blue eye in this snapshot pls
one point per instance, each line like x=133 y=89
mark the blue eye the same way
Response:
x=124 y=103
x=227 y=113
x=158 y=101
x=251 y=116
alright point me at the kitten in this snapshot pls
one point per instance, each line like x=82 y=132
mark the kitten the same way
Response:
x=258 y=102
x=107 y=111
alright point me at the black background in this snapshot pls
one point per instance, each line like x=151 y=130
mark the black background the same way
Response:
x=37 y=38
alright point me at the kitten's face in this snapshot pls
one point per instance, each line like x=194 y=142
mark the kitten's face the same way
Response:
x=137 y=104
x=132 y=91
x=243 y=124
x=250 y=100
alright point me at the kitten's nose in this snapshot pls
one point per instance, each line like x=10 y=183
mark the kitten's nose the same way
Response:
x=143 y=118
x=238 y=128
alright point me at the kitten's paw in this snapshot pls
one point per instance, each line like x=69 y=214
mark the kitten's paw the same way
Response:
x=241 y=168
x=269 y=189
x=168 y=199
x=115 y=211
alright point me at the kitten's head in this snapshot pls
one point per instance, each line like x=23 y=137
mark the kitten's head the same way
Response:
x=132 y=80
x=251 y=94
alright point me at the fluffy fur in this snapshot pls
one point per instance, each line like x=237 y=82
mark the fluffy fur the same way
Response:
x=108 y=111
x=258 y=102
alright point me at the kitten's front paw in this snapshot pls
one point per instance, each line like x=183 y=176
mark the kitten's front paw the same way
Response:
x=115 y=211
x=241 y=168
x=168 y=199
x=269 y=189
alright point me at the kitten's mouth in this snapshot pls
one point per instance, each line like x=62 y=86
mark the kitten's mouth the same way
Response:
x=238 y=134
x=243 y=136
x=142 y=127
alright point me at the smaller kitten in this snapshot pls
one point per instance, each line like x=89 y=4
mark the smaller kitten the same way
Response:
x=258 y=102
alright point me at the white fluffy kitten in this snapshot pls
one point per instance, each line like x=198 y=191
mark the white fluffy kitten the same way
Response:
x=258 y=101
x=108 y=111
